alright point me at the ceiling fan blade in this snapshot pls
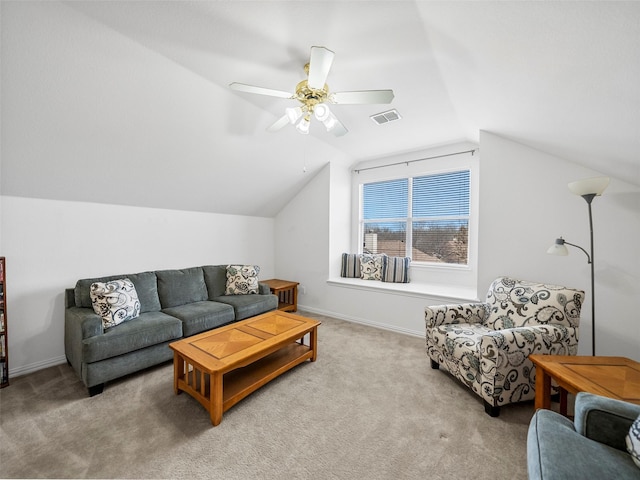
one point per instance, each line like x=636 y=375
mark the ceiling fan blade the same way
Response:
x=242 y=87
x=339 y=129
x=280 y=123
x=362 y=97
x=319 y=66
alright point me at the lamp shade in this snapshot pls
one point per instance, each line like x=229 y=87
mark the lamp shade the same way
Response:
x=558 y=248
x=589 y=186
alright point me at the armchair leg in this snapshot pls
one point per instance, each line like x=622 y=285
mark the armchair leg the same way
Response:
x=435 y=365
x=491 y=410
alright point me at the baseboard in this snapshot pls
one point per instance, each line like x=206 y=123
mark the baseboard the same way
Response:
x=362 y=321
x=34 y=367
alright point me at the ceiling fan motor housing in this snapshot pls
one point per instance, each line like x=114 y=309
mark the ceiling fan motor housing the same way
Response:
x=310 y=97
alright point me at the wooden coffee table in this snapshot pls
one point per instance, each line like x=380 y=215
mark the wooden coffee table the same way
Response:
x=613 y=377
x=222 y=366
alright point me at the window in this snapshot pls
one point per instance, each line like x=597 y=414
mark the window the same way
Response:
x=423 y=217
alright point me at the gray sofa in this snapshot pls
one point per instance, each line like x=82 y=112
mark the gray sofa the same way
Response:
x=173 y=304
x=591 y=446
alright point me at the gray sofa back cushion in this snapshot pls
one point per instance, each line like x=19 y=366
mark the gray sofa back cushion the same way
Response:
x=215 y=276
x=178 y=287
x=145 y=283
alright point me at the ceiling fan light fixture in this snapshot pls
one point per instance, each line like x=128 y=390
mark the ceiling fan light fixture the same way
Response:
x=324 y=115
x=293 y=114
x=303 y=125
x=321 y=112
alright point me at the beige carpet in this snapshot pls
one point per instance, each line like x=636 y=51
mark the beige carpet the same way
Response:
x=370 y=408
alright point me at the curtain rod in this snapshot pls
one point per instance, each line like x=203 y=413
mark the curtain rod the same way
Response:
x=407 y=162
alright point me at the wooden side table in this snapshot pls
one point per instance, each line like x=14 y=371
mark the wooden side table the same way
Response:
x=287 y=293
x=613 y=377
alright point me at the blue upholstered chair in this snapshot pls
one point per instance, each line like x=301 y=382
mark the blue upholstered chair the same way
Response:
x=487 y=345
x=591 y=446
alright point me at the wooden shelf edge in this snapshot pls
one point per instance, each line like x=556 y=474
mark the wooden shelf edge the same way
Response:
x=239 y=383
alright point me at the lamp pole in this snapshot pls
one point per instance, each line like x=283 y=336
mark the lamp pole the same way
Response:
x=589 y=198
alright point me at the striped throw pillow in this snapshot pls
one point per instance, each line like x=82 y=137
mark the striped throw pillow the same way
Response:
x=350 y=265
x=395 y=269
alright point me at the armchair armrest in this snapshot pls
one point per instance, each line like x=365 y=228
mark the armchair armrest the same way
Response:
x=603 y=419
x=437 y=315
x=505 y=367
x=548 y=339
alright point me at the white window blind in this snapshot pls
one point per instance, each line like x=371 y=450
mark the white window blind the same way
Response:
x=424 y=217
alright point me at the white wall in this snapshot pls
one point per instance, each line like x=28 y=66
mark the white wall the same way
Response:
x=525 y=205
x=50 y=244
x=311 y=234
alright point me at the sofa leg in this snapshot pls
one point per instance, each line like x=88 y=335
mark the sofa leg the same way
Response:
x=96 y=389
x=435 y=365
x=490 y=409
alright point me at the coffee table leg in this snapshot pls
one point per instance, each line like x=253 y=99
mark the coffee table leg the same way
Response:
x=543 y=389
x=178 y=371
x=313 y=343
x=215 y=398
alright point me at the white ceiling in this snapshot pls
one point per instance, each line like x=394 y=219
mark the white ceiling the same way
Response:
x=141 y=87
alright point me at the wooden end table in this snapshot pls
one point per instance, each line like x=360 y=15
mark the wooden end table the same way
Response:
x=222 y=366
x=613 y=377
x=287 y=293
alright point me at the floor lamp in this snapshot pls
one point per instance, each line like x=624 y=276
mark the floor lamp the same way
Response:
x=589 y=188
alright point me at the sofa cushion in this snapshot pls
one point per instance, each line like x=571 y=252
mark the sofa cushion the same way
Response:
x=242 y=279
x=145 y=284
x=201 y=316
x=246 y=306
x=215 y=278
x=115 y=301
x=148 y=329
x=179 y=287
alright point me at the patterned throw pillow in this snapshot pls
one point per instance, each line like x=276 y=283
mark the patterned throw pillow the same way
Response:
x=242 y=279
x=350 y=265
x=371 y=266
x=395 y=269
x=633 y=441
x=115 y=301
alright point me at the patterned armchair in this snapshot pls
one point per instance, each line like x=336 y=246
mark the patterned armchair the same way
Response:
x=487 y=345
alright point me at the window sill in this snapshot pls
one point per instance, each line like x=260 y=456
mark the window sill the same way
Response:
x=446 y=293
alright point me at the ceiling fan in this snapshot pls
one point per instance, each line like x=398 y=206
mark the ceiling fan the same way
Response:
x=314 y=95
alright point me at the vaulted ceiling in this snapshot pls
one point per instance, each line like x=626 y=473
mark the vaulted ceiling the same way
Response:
x=128 y=102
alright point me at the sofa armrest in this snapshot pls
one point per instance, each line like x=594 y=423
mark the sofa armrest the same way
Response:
x=263 y=289
x=437 y=315
x=79 y=323
x=603 y=419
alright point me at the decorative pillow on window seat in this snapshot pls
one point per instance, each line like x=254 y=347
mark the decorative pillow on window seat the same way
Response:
x=242 y=280
x=350 y=265
x=395 y=269
x=115 y=301
x=371 y=266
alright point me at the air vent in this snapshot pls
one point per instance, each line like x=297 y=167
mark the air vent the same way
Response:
x=386 y=117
